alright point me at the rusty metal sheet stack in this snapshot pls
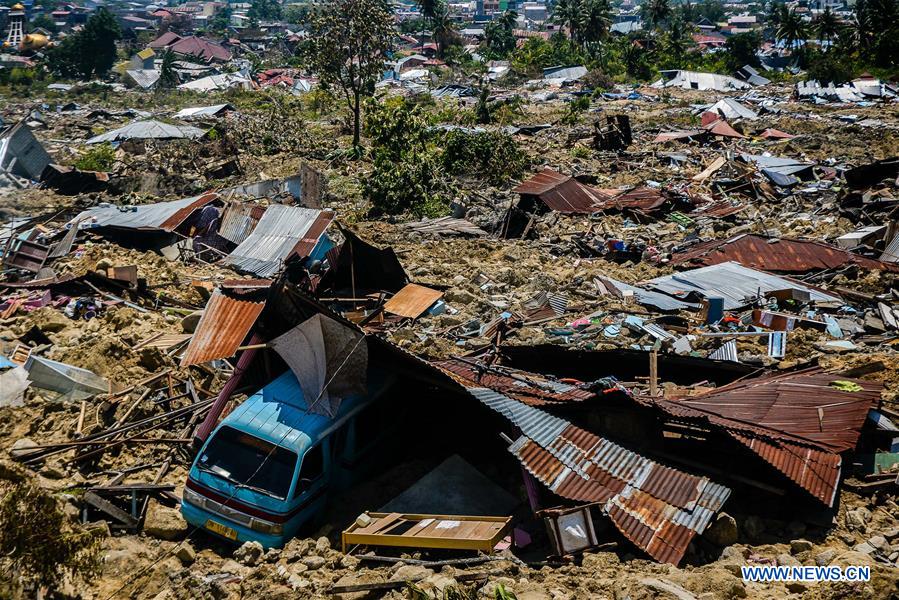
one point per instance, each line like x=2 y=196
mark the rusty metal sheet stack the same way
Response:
x=658 y=508
x=778 y=255
x=223 y=327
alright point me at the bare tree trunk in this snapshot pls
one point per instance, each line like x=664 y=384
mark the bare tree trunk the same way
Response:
x=356 y=119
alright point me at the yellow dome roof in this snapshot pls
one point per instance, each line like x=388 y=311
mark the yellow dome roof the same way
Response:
x=18 y=6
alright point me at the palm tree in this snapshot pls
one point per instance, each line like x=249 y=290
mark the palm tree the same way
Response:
x=657 y=12
x=168 y=77
x=444 y=30
x=827 y=25
x=428 y=9
x=678 y=38
x=597 y=20
x=569 y=14
x=791 y=30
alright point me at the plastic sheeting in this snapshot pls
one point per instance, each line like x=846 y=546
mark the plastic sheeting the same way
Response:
x=329 y=360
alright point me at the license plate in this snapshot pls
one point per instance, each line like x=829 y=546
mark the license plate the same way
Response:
x=220 y=529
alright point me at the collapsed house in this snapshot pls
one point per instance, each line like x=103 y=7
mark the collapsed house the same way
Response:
x=693 y=80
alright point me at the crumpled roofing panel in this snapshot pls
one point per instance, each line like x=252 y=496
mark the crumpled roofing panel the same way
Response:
x=281 y=232
x=562 y=193
x=166 y=216
x=225 y=323
x=148 y=130
x=658 y=508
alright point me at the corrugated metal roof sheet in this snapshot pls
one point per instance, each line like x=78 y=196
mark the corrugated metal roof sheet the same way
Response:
x=640 y=199
x=530 y=388
x=561 y=192
x=779 y=255
x=148 y=130
x=223 y=327
x=239 y=220
x=658 y=508
x=657 y=300
x=200 y=112
x=412 y=301
x=161 y=215
x=281 y=232
x=796 y=422
x=731 y=281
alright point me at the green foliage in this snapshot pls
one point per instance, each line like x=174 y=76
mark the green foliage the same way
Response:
x=413 y=26
x=492 y=155
x=21 y=77
x=576 y=108
x=296 y=13
x=597 y=80
x=501 y=593
x=537 y=54
x=98 y=158
x=44 y=22
x=348 y=41
x=586 y=21
x=221 y=20
x=168 y=77
x=826 y=67
x=406 y=177
x=499 y=37
x=741 y=50
x=36 y=536
x=91 y=51
x=264 y=10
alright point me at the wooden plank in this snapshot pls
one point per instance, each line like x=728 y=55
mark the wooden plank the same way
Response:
x=412 y=301
x=110 y=509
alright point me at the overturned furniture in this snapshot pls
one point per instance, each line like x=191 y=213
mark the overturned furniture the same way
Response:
x=426 y=531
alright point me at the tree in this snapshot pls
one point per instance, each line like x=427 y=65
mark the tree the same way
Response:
x=44 y=22
x=348 y=42
x=296 y=14
x=444 y=30
x=499 y=35
x=222 y=19
x=656 y=12
x=742 y=50
x=792 y=29
x=677 y=39
x=168 y=77
x=264 y=10
x=569 y=14
x=597 y=21
x=827 y=25
x=91 y=51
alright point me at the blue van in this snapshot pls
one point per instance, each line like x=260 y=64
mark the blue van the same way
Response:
x=268 y=467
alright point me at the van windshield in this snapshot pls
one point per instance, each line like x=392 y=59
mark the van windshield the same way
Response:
x=249 y=461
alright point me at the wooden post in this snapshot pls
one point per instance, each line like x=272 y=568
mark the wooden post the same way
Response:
x=654 y=373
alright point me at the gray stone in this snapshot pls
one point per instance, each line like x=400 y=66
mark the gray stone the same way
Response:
x=22 y=446
x=723 y=532
x=858 y=518
x=164 y=522
x=322 y=545
x=797 y=546
x=878 y=542
x=349 y=562
x=787 y=560
x=186 y=554
x=249 y=553
x=411 y=573
x=822 y=559
x=667 y=587
x=190 y=322
x=314 y=562
x=734 y=552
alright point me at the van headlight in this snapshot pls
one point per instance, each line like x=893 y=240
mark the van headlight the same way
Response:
x=267 y=527
x=194 y=498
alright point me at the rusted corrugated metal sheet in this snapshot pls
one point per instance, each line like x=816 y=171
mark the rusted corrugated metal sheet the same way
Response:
x=166 y=216
x=778 y=255
x=658 y=508
x=412 y=301
x=529 y=388
x=223 y=327
x=797 y=422
x=183 y=213
x=562 y=193
x=804 y=404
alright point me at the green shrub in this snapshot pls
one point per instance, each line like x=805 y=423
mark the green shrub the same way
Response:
x=40 y=541
x=98 y=158
x=492 y=155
